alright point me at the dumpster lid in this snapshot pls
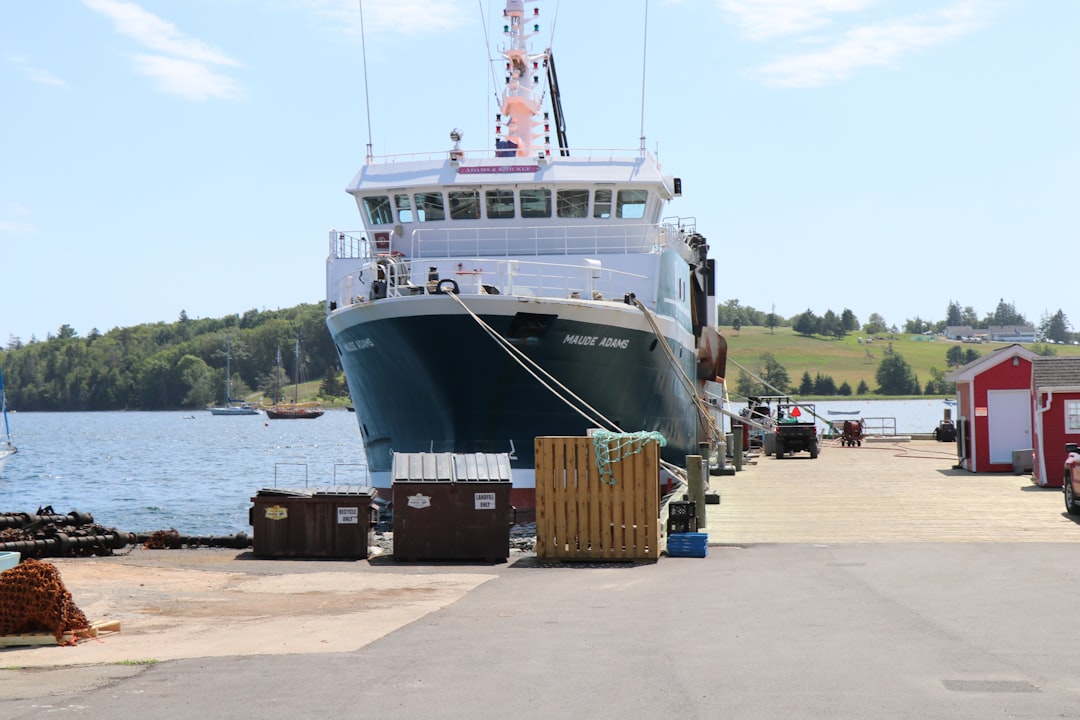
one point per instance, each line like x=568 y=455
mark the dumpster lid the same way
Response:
x=451 y=467
x=334 y=491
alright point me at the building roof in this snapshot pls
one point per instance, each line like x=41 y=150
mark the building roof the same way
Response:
x=1011 y=329
x=1055 y=373
x=959 y=331
x=968 y=372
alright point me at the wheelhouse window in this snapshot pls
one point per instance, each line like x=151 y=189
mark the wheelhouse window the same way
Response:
x=500 y=204
x=601 y=204
x=536 y=203
x=1072 y=416
x=572 y=203
x=377 y=208
x=429 y=207
x=464 y=205
x=631 y=204
x=404 y=208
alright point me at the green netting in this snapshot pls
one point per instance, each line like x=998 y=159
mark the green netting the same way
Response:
x=611 y=447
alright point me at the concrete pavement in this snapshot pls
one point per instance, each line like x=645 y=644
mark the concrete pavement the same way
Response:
x=830 y=595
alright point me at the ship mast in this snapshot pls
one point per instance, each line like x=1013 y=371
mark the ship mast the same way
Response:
x=527 y=134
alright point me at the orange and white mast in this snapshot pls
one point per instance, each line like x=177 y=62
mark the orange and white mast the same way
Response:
x=526 y=132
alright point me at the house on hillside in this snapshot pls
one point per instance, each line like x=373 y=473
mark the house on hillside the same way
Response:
x=959 y=332
x=1011 y=333
x=993 y=408
x=1055 y=394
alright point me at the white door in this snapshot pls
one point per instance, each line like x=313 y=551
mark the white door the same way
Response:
x=1009 y=413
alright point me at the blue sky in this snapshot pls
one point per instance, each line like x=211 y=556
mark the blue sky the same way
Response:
x=886 y=156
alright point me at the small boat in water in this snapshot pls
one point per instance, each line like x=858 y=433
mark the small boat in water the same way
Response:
x=7 y=447
x=523 y=290
x=231 y=407
x=843 y=412
x=294 y=410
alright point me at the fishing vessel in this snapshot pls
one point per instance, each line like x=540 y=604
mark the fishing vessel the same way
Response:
x=232 y=407
x=294 y=410
x=530 y=289
x=7 y=447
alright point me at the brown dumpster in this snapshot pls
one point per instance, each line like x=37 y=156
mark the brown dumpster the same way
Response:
x=451 y=506
x=327 y=523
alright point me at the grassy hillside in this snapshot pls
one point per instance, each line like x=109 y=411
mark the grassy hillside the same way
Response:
x=845 y=360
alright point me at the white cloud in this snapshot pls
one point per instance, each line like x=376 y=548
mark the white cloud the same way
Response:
x=10 y=227
x=192 y=80
x=872 y=45
x=33 y=72
x=402 y=17
x=183 y=65
x=761 y=19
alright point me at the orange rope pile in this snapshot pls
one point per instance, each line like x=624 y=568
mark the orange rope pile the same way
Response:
x=34 y=599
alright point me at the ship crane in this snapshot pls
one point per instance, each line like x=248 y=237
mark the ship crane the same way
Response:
x=556 y=105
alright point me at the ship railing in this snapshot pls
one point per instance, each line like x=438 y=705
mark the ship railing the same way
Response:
x=350 y=245
x=534 y=240
x=506 y=242
x=499 y=276
x=538 y=153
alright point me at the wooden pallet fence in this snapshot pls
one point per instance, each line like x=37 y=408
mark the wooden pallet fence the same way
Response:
x=583 y=516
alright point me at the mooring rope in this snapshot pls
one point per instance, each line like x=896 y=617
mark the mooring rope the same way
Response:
x=707 y=419
x=528 y=364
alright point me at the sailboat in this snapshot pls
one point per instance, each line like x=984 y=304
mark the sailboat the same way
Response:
x=7 y=448
x=232 y=407
x=294 y=410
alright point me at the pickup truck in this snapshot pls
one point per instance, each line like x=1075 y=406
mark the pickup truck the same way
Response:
x=796 y=430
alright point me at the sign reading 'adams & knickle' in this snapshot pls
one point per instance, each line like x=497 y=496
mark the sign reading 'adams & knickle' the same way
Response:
x=484 y=169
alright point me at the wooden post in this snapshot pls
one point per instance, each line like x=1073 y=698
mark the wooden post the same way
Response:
x=695 y=478
x=739 y=429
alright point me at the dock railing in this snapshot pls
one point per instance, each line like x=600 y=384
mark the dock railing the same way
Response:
x=879 y=426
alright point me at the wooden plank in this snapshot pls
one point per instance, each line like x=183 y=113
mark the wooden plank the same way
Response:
x=563 y=488
x=586 y=531
x=99 y=628
x=652 y=501
x=636 y=510
x=46 y=638
x=602 y=491
x=576 y=545
x=596 y=525
x=617 y=488
x=28 y=639
x=545 y=469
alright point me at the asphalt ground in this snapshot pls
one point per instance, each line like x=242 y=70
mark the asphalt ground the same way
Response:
x=872 y=582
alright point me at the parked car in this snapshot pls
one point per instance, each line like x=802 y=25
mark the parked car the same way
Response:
x=1071 y=484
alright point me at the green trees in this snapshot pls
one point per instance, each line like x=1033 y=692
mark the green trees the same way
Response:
x=730 y=312
x=771 y=372
x=875 y=325
x=332 y=385
x=197 y=376
x=161 y=365
x=895 y=377
x=937 y=385
x=1055 y=327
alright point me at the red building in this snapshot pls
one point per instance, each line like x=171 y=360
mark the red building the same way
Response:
x=993 y=408
x=1055 y=393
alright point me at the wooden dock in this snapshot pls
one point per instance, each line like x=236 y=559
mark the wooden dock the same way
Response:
x=882 y=492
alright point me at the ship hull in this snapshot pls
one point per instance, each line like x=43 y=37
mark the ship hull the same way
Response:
x=425 y=376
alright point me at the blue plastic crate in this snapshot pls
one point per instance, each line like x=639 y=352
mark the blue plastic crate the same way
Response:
x=691 y=544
